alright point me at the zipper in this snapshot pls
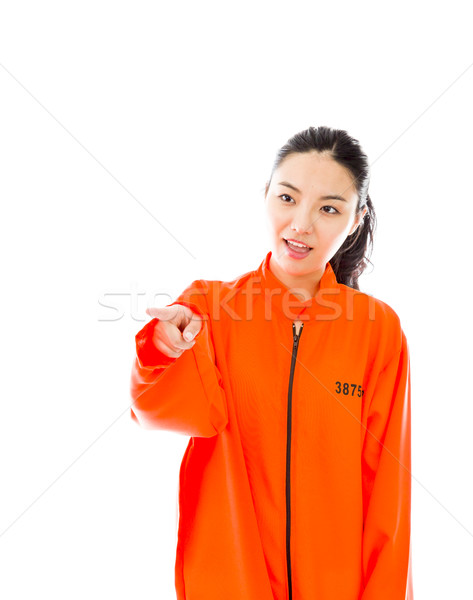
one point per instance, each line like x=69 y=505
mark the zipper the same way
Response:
x=295 y=345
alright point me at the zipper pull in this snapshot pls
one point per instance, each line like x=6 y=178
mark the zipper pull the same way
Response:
x=295 y=335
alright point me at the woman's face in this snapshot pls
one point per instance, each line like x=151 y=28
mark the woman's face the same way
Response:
x=309 y=215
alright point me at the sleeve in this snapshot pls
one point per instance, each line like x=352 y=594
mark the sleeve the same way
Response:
x=183 y=394
x=386 y=484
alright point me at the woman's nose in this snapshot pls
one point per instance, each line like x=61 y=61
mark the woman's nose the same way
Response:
x=303 y=224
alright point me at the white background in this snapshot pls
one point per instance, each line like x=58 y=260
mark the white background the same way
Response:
x=135 y=142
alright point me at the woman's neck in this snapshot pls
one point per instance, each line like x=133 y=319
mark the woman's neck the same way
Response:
x=306 y=287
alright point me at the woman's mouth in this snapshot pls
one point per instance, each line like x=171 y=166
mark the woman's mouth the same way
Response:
x=296 y=251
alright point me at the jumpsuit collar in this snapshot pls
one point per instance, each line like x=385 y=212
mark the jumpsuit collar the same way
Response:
x=278 y=298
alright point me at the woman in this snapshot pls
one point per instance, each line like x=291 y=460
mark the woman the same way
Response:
x=295 y=390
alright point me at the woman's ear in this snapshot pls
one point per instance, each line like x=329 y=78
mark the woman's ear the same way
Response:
x=359 y=220
x=266 y=188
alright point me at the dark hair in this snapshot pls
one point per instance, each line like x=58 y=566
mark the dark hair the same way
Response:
x=351 y=259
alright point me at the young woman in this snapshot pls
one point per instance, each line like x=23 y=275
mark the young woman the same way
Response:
x=294 y=387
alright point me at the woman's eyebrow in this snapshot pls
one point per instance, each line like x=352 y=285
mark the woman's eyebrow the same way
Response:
x=329 y=197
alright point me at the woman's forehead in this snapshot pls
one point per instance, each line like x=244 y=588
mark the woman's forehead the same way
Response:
x=310 y=172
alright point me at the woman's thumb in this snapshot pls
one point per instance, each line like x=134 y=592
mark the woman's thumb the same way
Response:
x=192 y=328
x=188 y=335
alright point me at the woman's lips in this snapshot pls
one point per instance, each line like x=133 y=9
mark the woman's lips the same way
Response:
x=297 y=252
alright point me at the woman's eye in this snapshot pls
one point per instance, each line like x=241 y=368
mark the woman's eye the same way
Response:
x=285 y=196
x=333 y=207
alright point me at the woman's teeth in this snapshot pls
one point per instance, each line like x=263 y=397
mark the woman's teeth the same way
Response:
x=298 y=247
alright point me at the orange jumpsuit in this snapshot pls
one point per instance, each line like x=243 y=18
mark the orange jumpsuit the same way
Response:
x=295 y=484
